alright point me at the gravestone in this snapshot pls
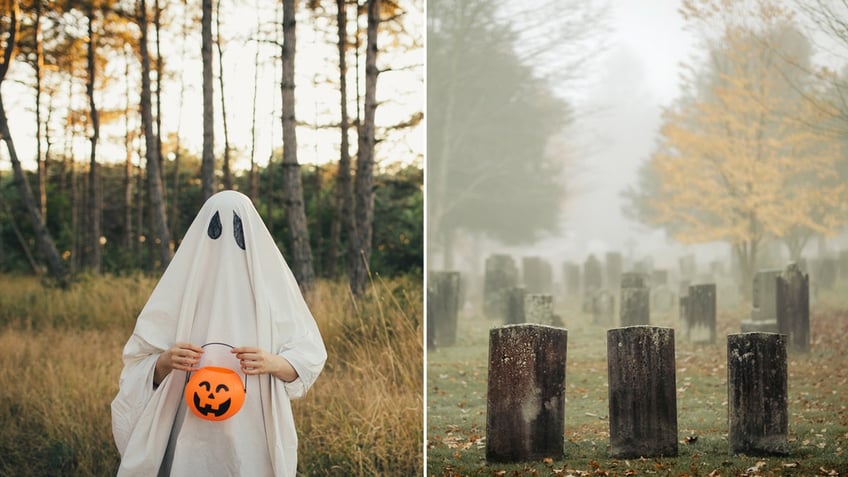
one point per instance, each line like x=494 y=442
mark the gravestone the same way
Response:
x=642 y=392
x=501 y=275
x=659 y=277
x=539 y=308
x=431 y=322
x=571 y=272
x=793 y=307
x=662 y=299
x=592 y=281
x=614 y=267
x=635 y=301
x=515 y=306
x=537 y=275
x=763 y=303
x=592 y=277
x=700 y=313
x=688 y=269
x=603 y=308
x=445 y=303
x=826 y=271
x=525 y=411
x=757 y=407
x=843 y=264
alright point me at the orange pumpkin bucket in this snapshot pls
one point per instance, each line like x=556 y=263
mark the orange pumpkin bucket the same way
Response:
x=214 y=393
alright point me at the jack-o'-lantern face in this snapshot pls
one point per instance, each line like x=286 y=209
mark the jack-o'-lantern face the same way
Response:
x=214 y=394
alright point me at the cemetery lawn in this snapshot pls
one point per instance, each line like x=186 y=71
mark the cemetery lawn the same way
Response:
x=818 y=404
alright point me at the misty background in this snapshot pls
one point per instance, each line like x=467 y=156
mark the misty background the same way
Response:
x=625 y=64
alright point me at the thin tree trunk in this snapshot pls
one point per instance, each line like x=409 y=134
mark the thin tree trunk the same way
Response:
x=228 y=176
x=127 y=238
x=41 y=161
x=42 y=235
x=157 y=27
x=175 y=179
x=344 y=186
x=301 y=252
x=253 y=178
x=365 y=157
x=207 y=165
x=159 y=217
x=94 y=206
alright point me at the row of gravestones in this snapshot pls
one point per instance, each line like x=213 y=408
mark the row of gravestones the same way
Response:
x=525 y=415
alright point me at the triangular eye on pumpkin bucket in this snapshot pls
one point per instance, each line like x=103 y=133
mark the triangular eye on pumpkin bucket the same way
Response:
x=214 y=393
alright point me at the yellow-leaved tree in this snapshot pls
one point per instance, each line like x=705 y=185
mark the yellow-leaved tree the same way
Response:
x=741 y=158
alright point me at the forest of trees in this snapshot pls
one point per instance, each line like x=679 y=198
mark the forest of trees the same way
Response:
x=98 y=72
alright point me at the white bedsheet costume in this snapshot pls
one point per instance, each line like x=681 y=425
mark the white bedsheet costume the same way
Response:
x=234 y=288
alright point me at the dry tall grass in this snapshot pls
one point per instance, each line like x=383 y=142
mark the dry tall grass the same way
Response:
x=60 y=361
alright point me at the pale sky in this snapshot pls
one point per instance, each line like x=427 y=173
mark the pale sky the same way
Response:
x=634 y=78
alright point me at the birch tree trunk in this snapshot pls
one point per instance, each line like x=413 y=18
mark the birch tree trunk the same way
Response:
x=365 y=158
x=301 y=251
x=41 y=160
x=159 y=217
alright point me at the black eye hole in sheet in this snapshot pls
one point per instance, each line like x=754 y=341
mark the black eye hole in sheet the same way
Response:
x=238 y=231
x=215 y=227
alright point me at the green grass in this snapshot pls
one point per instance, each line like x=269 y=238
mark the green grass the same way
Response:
x=818 y=383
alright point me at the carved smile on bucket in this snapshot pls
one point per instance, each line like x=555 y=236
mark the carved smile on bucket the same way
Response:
x=207 y=408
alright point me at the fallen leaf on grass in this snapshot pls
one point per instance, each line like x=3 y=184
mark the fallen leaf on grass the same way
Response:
x=828 y=472
x=548 y=460
x=790 y=465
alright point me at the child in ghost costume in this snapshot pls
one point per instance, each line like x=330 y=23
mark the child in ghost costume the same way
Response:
x=227 y=283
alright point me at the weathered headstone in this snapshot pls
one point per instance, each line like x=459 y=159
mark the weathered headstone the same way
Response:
x=538 y=308
x=763 y=303
x=445 y=303
x=793 y=307
x=843 y=264
x=642 y=392
x=826 y=271
x=635 y=301
x=592 y=281
x=571 y=272
x=537 y=275
x=700 y=313
x=688 y=269
x=515 y=306
x=431 y=322
x=757 y=408
x=603 y=307
x=614 y=266
x=659 y=277
x=501 y=275
x=663 y=299
x=592 y=278
x=525 y=413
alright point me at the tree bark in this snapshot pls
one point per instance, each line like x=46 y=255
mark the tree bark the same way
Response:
x=365 y=158
x=301 y=251
x=94 y=200
x=344 y=186
x=228 y=176
x=154 y=175
x=41 y=161
x=207 y=165
x=42 y=235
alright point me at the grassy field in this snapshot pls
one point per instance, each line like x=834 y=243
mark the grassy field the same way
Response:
x=60 y=357
x=818 y=396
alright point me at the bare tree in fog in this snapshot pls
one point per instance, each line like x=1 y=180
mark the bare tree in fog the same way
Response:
x=493 y=68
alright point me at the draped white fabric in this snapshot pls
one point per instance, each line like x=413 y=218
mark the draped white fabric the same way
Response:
x=215 y=290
